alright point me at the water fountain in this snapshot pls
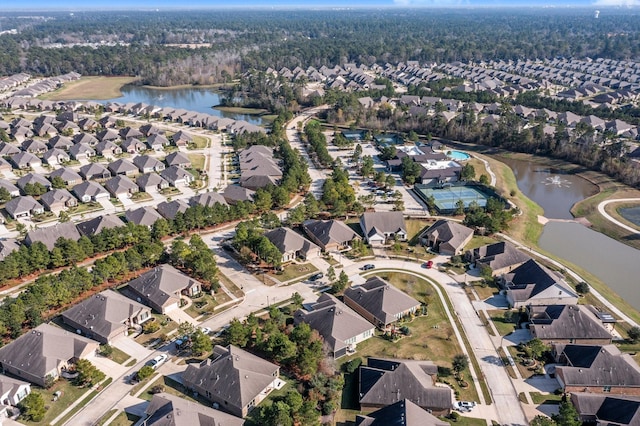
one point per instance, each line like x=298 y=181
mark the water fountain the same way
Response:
x=556 y=181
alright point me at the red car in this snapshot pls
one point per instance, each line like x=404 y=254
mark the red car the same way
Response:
x=428 y=265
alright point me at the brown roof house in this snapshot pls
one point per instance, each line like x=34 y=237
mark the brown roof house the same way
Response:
x=169 y=209
x=177 y=176
x=577 y=324
x=235 y=380
x=90 y=191
x=40 y=355
x=97 y=224
x=49 y=235
x=401 y=413
x=446 y=237
x=330 y=235
x=379 y=302
x=501 y=257
x=292 y=245
x=146 y=216
x=607 y=410
x=162 y=287
x=170 y=410
x=151 y=182
x=533 y=284
x=383 y=382
x=58 y=200
x=382 y=227
x=596 y=369
x=341 y=328
x=12 y=391
x=105 y=316
x=23 y=207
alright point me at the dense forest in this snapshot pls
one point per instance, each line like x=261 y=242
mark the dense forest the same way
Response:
x=206 y=46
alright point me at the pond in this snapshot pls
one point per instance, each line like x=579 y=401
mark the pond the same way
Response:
x=192 y=99
x=556 y=192
x=632 y=214
x=614 y=263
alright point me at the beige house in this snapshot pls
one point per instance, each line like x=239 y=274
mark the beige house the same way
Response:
x=447 y=237
x=234 y=379
x=330 y=235
x=533 y=284
x=106 y=315
x=292 y=245
x=40 y=355
x=162 y=287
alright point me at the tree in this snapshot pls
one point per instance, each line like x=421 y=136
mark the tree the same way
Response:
x=200 y=343
x=32 y=407
x=276 y=414
x=4 y=195
x=341 y=284
x=537 y=348
x=331 y=274
x=145 y=372
x=634 y=334
x=568 y=415
x=237 y=334
x=484 y=179
x=541 y=420
x=88 y=374
x=582 y=287
x=468 y=172
x=58 y=183
x=460 y=363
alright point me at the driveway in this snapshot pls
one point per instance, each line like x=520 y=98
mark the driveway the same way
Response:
x=131 y=347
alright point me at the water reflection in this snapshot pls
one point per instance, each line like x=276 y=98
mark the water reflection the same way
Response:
x=191 y=99
x=555 y=192
x=614 y=263
x=632 y=214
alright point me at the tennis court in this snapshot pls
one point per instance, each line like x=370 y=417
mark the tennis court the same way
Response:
x=446 y=198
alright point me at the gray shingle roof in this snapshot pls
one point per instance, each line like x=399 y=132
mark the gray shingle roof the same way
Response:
x=384 y=222
x=531 y=279
x=446 y=231
x=401 y=413
x=208 y=199
x=329 y=231
x=146 y=216
x=49 y=235
x=498 y=255
x=608 y=409
x=287 y=240
x=559 y=322
x=120 y=185
x=170 y=410
x=169 y=209
x=161 y=285
x=97 y=224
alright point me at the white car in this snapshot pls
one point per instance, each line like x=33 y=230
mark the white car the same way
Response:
x=157 y=361
x=205 y=330
x=464 y=406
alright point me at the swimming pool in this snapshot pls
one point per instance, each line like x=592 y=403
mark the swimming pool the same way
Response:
x=458 y=155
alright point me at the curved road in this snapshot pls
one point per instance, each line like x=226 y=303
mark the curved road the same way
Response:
x=602 y=211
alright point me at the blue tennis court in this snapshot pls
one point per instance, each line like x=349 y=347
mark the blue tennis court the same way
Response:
x=446 y=198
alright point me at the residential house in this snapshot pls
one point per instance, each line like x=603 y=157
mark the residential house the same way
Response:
x=32 y=179
x=25 y=160
x=94 y=226
x=81 y=151
x=177 y=158
x=234 y=194
x=49 y=235
x=67 y=174
x=121 y=185
x=108 y=135
x=58 y=200
x=5 y=166
x=151 y=182
x=90 y=191
x=383 y=382
x=533 y=284
x=208 y=199
x=40 y=355
x=401 y=413
x=330 y=235
x=94 y=171
x=579 y=324
x=596 y=369
x=23 y=206
x=7 y=150
x=149 y=129
x=34 y=147
x=170 y=410
x=122 y=167
x=147 y=164
x=56 y=157
x=60 y=142
x=258 y=168
x=108 y=149
x=157 y=142
x=379 y=302
x=607 y=410
x=447 y=237
x=130 y=132
x=8 y=246
x=146 y=216
x=85 y=138
x=181 y=138
x=12 y=391
x=382 y=227
x=169 y=209
x=340 y=327
x=501 y=257
x=105 y=316
x=177 y=176
x=292 y=245
x=13 y=190
x=133 y=146
x=162 y=287
x=234 y=379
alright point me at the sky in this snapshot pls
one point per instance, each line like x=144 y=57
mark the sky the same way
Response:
x=166 y=4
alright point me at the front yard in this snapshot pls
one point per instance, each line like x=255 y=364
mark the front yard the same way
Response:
x=166 y=326
x=206 y=304
x=294 y=271
x=69 y=394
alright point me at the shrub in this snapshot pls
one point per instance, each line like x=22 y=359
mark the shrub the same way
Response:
x=157 y=389
x=145 y=372
x=106 y=351
x=353 y=365
x=454 y=416
x=150 y=327
x=405 y=330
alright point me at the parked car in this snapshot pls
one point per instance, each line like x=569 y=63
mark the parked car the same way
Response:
x=316 y=277
x=205 y=330
x=428 y=264
x=464 y=406
x=368 y=267
x=183 y=342
x=157 y=361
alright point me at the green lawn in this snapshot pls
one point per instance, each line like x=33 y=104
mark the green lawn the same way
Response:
x=503 y=327
x=209 y=304
x=479 y=241
x=136 y=388
x=463 y=421
x=169 y=326
x=415 y=226
x=102 y=420
x=139 y=197
x=294 y=271
x=230 y=285
x=539 y=398
x=171 y=387
x=197 y=161
x=125 y=419
x=119 y=356
x=252 y=419
x=199 y=142
x=70 y=394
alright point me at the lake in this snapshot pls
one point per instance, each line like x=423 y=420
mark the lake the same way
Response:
x=614 y=263
x=632 y=214
x=554 y=191
x=191 y=98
